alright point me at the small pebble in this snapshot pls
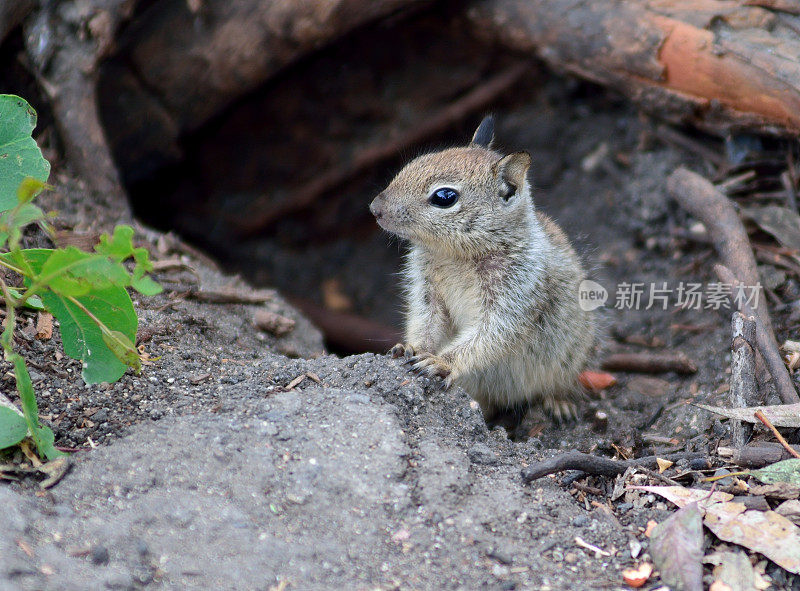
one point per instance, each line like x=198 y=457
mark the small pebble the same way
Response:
x=100 y=555
x=580 y=521
x=480 y=453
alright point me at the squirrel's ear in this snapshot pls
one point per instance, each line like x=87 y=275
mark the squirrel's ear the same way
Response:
x=514 y=167
x=484 y=135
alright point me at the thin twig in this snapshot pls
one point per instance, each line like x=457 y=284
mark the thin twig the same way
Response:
x=575 y=460
x=658 y=476
x=761 y=417
x=650 y=363
x=231 y=295
x=756 y=456
x=592 y=490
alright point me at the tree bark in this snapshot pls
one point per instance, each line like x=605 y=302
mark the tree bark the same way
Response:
x=715 y=64
x=64 y=43
x=743 y=373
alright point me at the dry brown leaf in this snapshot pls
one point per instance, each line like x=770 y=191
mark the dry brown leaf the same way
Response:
x=676 y=546
x=683 y=496
x=781 y=222
x=777 y=490
x=732 y=570
x=790 y=510
x=663 y=464
x=650 y=527
x=44 y=326
x=766 y=532
x=295 y=382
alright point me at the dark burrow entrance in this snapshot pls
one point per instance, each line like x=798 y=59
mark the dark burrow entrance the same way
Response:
x=277 y=186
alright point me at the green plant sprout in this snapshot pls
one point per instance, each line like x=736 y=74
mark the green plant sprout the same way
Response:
x=87 y=292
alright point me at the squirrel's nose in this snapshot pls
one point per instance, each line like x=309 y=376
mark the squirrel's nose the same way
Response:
x=375 y=208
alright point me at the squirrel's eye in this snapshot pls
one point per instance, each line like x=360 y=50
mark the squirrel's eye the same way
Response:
x=507 y=191
x=444 y=197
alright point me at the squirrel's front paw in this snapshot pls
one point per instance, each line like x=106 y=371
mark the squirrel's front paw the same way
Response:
x=433 y=366
x=401 y=350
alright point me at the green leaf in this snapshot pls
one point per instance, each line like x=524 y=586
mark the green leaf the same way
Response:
x=13 y=427
x=784 y=471
x=20 y=157
x=13 y=221
x=33 y=302
x=45 y=443
x=83 y=338
x=120 y=247
x=42 y=436
x=80 y=333
x=123 y=348
x=30 y=188
x=146 y=286
x=70 y=271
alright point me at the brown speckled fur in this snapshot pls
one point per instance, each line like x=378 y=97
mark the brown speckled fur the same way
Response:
x=491 y=284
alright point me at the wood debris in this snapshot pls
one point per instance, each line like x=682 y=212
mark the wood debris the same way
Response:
x=650 y=363
x=44 y=326
x=273 y=323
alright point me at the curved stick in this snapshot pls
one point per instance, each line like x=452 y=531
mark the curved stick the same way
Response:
x=575 y=460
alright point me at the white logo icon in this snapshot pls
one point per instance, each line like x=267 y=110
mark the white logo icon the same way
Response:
x=591 y=295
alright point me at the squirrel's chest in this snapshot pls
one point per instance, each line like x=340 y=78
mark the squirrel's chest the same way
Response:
x=459 y=289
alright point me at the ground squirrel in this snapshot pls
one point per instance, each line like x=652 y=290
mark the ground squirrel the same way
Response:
x=491 y=285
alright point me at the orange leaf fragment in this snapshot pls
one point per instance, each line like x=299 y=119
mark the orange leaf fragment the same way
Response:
x=596 y=380
x=650 y=525
x=636 y=577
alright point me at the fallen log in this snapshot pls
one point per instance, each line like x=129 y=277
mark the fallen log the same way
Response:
x=715 y=64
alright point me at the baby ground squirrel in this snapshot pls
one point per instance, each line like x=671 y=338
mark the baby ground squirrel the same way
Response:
x=491 y=285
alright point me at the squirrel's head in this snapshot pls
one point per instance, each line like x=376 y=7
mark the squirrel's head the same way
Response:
x=467 y=199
